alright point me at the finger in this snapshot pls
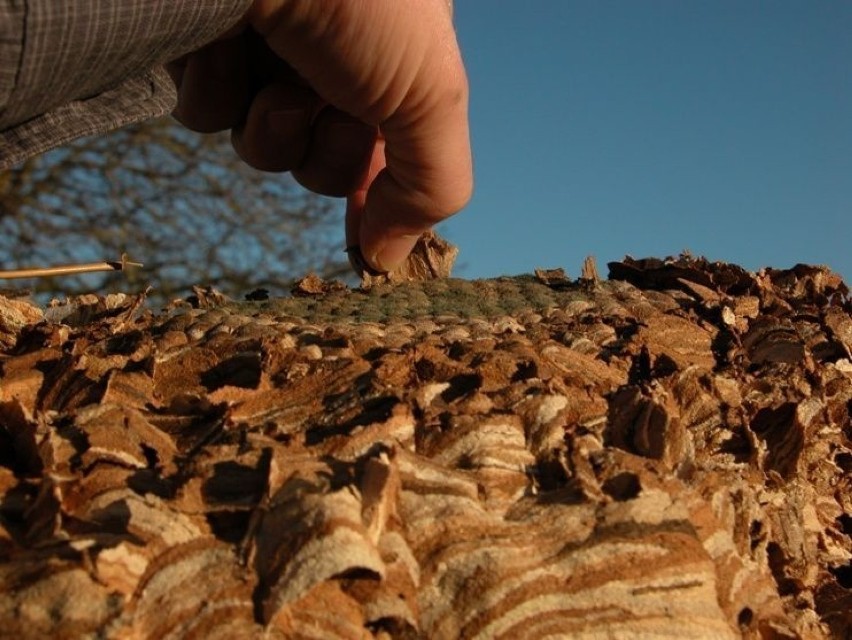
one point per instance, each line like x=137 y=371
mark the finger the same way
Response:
x=277 y=130
x=212 y=85
x=339 y=154
x=428 y=177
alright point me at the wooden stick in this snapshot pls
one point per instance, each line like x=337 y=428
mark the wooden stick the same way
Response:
x=69 y=269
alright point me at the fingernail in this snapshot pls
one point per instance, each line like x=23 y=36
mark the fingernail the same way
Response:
x=361 y=266
x=393 y=252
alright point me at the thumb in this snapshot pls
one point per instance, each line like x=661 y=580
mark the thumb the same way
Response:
x=427 y=177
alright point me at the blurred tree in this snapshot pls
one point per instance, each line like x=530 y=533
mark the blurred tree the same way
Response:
x=181 y=203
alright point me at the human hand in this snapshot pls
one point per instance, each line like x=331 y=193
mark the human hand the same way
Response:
x=359 y=98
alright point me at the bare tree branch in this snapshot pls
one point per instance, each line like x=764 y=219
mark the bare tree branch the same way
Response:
x=183 y=203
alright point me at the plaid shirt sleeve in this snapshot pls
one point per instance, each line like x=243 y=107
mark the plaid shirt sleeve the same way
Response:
x=70 y=68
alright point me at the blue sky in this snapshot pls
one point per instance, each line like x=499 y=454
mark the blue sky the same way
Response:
x=647 y=128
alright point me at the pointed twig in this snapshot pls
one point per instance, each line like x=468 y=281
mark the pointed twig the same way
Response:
x=69 y=269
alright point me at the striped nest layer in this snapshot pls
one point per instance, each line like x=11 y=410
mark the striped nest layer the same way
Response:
x=667 y=455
